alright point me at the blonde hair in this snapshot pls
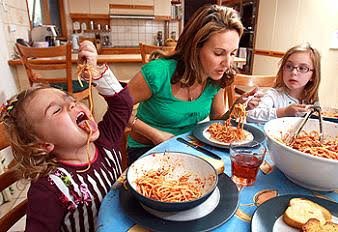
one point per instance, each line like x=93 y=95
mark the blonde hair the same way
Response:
x=32 y=160
x=311 y=88
x=205 y=22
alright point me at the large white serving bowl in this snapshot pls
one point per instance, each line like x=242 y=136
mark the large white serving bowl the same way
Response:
x=306 y=170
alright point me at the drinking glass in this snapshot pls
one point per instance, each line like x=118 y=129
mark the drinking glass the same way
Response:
x=245 y=162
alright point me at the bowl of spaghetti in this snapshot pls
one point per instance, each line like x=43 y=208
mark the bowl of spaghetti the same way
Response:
x=171 y=181
x=306 y=161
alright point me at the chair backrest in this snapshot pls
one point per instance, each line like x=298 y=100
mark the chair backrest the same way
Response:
x=146 y=50
x=247 y=81
x=39 y=59
x=10 y=176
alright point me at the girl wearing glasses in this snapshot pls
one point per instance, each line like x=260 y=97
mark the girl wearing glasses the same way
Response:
x=296 y=86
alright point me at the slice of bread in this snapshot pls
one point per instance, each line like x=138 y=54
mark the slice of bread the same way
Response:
x=300 y=210
x=218 y=164
x=313 y=225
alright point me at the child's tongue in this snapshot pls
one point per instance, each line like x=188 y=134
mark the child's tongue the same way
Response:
x=85 y=124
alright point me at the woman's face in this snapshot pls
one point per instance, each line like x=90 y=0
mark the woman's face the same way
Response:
x=218 y=53
x=57 y=118
x=297 y=79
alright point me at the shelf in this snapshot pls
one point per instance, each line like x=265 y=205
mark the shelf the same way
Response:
x=89 y=16
x=96 y=31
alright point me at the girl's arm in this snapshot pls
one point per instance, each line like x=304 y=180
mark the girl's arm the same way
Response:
x=140 y=92
x=44 y=212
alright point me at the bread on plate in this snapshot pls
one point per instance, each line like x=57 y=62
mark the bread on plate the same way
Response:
x=313 y=225
x=300 y=210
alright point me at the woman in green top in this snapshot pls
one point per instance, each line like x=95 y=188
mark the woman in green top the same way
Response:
x=177 y=91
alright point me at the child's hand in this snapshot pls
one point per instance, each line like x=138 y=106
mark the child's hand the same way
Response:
x=292 y=110
x=88 y=52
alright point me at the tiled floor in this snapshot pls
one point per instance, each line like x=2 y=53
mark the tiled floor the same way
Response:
x=18 y=197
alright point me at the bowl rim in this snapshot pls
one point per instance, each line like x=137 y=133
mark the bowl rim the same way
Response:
x=302 y=154
x=172 y=203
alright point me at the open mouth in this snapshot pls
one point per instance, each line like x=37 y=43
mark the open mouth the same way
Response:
x=82 y=121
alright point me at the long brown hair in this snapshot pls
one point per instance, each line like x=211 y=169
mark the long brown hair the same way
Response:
x=205 y=22
x=311 y=88
x=32 y=160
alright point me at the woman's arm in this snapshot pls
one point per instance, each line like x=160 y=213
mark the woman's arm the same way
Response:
x=218 y=110
x=141 y=131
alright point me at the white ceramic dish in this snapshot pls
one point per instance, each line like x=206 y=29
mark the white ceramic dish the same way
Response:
x=308 y=171
x=180 y=163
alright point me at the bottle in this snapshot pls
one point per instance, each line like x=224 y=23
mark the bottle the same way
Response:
x=91 y=25
x=159 y=38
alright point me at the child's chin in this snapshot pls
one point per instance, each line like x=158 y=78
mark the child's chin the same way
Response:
x=95 y=136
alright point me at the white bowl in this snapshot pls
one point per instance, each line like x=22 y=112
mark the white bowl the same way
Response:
x=181 y=163
x=306 y=170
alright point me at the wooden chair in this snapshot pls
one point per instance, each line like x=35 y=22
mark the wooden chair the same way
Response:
x=146 y=50
x=37 y=60
x=7 y=178
x=246 y=81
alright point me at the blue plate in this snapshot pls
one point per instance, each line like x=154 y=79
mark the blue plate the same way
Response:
x=225 y=209
x=199 y=128
x=266 y=214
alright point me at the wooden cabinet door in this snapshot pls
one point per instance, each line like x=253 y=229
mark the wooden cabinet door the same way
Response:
x=162 y=8
x=100 y=7
x=265 y=24
x=79 y=6
x=285 y=24
x=277 y=24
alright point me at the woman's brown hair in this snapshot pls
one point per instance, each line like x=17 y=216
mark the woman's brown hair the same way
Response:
x=311 y=88
x=32 y=160
x=205 y=22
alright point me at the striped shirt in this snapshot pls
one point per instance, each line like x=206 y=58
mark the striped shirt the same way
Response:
x=67 y=200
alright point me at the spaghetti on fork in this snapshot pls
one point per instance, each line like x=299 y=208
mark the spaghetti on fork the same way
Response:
x=227 y=133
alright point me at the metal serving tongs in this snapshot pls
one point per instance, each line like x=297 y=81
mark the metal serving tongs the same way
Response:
x=313 y=108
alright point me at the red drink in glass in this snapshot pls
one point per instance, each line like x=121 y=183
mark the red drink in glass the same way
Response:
x=245 y=162
x=244 y=168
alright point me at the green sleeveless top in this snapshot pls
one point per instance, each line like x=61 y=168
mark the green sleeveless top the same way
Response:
x=163 y=110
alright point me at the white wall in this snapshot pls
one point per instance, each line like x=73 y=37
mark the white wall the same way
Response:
x=283 y=24
x=13 y=13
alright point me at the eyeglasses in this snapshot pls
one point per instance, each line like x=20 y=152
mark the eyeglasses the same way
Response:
x=301 y=68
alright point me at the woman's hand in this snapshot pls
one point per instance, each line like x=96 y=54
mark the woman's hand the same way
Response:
x=255 y=98
x=292 y=110
x=161 y=137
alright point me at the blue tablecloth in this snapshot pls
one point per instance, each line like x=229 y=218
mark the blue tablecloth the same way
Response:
x=112 y=218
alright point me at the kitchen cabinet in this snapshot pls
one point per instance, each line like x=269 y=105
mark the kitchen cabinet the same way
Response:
x=276 y=24
x=100 y=7
x=162 y=8
x=79 y=6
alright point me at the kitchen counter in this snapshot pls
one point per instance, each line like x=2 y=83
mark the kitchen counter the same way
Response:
x=114 y=58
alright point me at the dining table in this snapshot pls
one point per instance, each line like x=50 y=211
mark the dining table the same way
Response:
x=271 y=183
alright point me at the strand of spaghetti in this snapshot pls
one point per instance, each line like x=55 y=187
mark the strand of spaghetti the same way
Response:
x=87 y=150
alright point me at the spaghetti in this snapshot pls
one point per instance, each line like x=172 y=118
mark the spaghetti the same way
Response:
x=329 y=114
x=87 y=68
x=87 y=149
x=157 y=185
x=226 y=133
x=309 y=143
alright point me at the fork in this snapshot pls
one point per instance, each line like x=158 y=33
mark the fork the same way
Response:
x=314 y=108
